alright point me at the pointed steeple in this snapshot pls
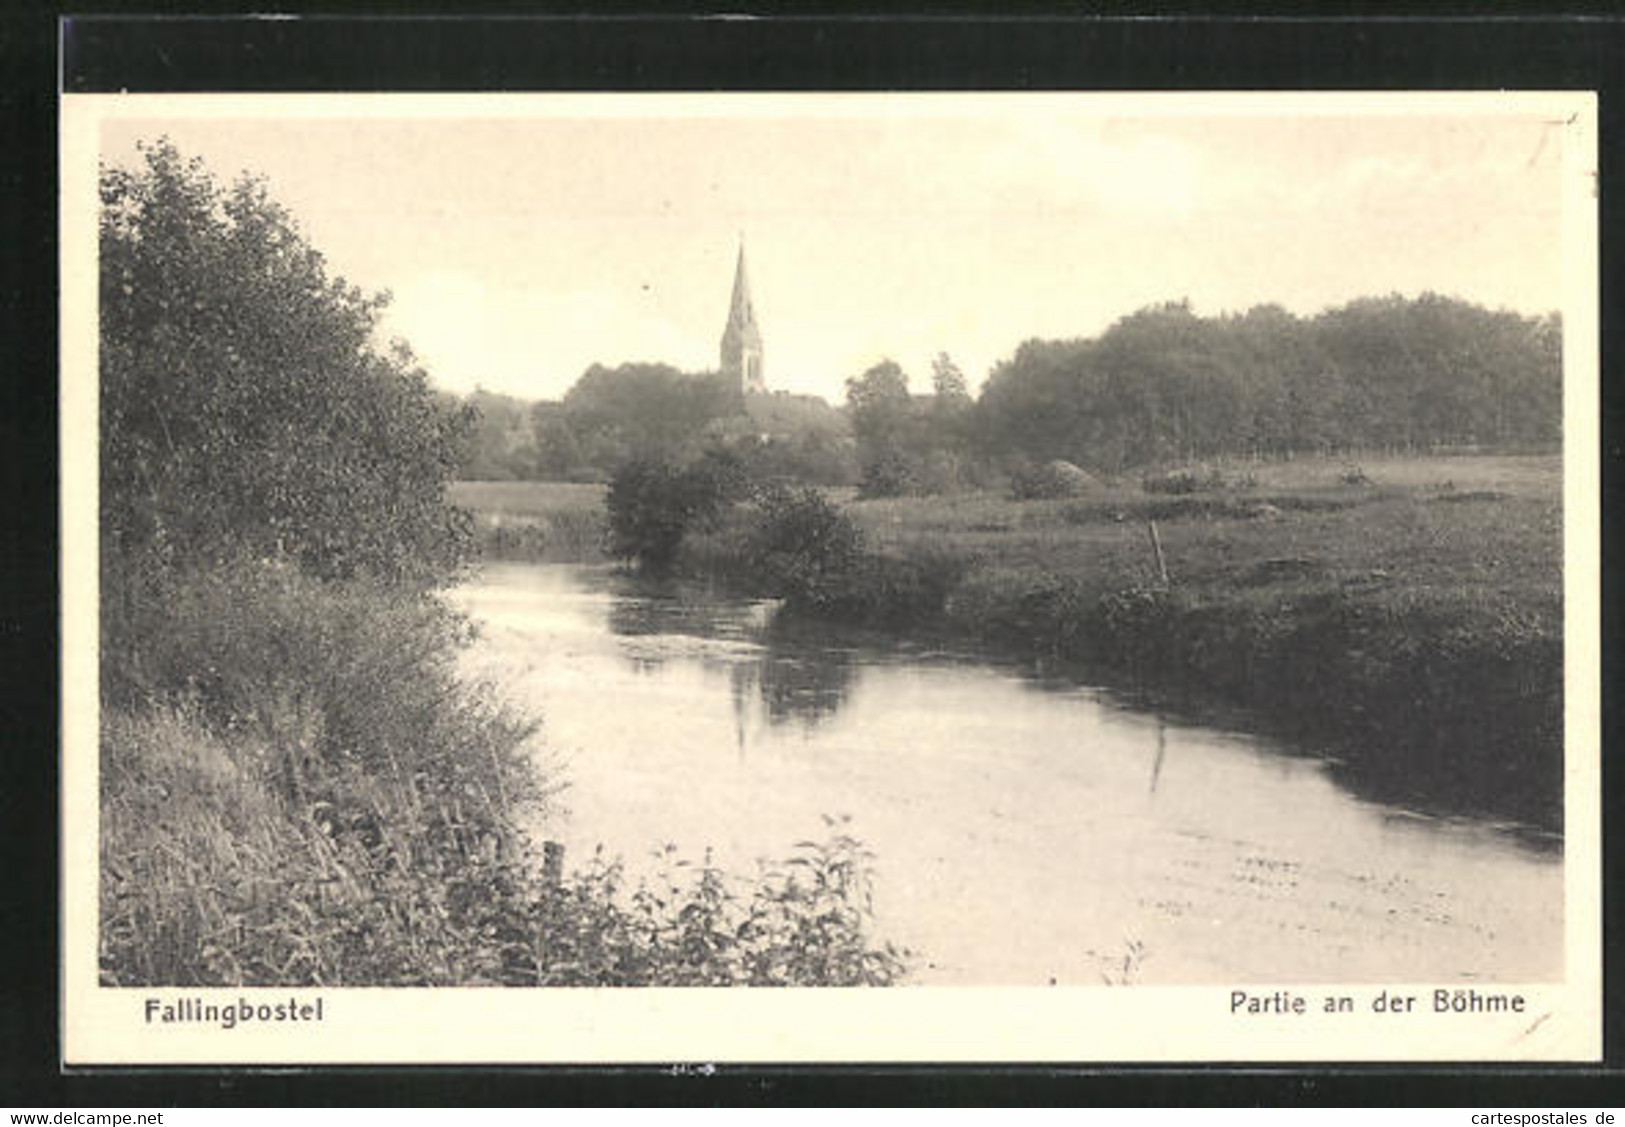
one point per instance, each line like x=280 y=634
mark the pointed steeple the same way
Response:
x=742 y=340
x=739 y=309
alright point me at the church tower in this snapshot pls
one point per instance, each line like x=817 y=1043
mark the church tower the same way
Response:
x=742 y=340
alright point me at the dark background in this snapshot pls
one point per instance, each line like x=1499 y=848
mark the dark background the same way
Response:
x=790 y=47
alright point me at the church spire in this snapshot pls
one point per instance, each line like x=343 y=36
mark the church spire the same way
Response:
x=741 y=339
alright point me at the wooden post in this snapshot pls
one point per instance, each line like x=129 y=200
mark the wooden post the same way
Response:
x=1156 y=549
x=552 y=863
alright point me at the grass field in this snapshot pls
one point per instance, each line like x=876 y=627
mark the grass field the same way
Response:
x=561 y=522
x=1464 y=528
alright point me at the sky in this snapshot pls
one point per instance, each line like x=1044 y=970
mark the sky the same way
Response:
x=522 y=247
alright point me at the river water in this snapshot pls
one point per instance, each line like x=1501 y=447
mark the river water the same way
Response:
x=1025 y=831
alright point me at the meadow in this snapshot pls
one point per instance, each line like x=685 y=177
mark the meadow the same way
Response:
x=1474 y=529
x=558 y=522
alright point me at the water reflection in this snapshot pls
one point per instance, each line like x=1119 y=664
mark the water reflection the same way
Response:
x=806 y=672
x=1419 y=786
x=793 y=687
x=773 y=665
x=1162 y=753
x=1023 y=822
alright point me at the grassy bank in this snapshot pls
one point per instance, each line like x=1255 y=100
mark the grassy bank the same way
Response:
x=1406 y=618
x=298 y=788
x=555 y=522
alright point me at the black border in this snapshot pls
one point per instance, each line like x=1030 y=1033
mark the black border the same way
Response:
x=685 y=47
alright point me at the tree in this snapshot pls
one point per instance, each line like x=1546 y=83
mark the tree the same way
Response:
x=244 y=405
x=653 y=504
x=646 y=410
x=883 y=423
x=558 y=451
x=503 y=445
x=948 y=382
x=881 y=410
x=880 y=404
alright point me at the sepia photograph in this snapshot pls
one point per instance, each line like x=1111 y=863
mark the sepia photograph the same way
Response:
x=1120 y=568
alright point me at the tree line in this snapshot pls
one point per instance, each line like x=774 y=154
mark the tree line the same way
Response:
x=614 y=415
x=1165 y=384
x=1160 y=385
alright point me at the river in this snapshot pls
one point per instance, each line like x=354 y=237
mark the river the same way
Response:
x=1025 y=830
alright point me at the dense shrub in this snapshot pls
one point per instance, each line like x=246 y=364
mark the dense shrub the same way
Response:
x=889 y=473
x=652 y=504
x=207 y=880
x=801 y=546
x=1050 y=481
x=243 y=402
x=805 y=921
x=803 y=549
x=1183 y=481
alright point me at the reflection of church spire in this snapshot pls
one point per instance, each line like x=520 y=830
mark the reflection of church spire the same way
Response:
x=742 y=340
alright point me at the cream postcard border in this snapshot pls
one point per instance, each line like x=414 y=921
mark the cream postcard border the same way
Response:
x=108 y=1026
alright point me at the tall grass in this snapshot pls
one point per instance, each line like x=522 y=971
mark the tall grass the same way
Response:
x=556 y=522
x=297 y=788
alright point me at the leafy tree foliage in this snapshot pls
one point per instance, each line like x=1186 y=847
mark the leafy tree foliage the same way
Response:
x=645 y=410
x=615 y=415
x=948 y=382
x=880 y=406
x=652 y=504
x=909 y=444
x=1165 y=384
x=503 y=442
x=243 y=402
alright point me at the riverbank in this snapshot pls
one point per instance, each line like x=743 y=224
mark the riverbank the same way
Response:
x=546 y=522
x=300 y=786
x=1406 y=619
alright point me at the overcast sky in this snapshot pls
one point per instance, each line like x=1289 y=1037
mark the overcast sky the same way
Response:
x=521 y=250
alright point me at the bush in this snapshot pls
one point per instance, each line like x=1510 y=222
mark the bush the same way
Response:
x=1183 y=481
x=243 y=403
x=209 y=879
x=912 y=473
x=805 y=921
x=803 y=549
x=653 y=504
x=1050 y=481
x=889 y=474
x=801 y=546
